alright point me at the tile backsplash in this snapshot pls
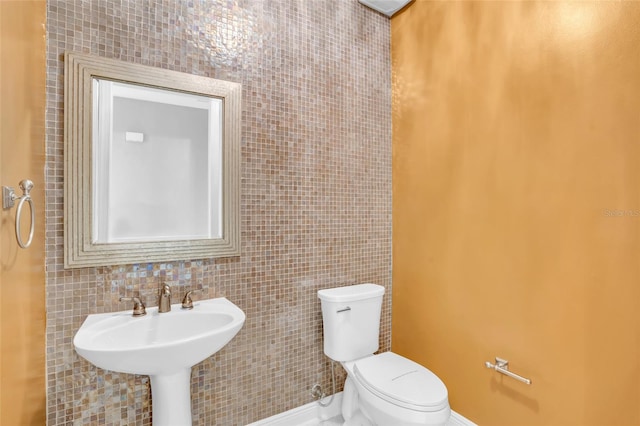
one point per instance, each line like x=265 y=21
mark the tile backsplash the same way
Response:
x=316 y=195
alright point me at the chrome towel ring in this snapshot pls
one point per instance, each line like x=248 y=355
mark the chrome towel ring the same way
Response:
x=9 y=198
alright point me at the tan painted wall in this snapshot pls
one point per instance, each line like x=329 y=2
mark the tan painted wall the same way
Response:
x=22 y=312
x=516 y=191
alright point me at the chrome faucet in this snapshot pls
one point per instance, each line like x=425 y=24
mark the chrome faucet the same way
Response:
x=164 y=301
x=187 y=301
x=138 y=305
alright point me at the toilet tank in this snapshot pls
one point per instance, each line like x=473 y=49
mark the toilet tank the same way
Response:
x=351 y=320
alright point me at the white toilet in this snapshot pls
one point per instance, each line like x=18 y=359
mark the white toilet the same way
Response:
x=381 y=390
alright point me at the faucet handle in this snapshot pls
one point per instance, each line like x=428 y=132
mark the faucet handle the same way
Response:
x=138 y=305
x=187 y=302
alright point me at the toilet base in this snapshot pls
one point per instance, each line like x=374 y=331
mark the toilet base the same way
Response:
x=358 y=420
x=351 y=412
x=350 y=408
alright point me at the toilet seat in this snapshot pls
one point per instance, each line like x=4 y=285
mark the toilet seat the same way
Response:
x=402 y=382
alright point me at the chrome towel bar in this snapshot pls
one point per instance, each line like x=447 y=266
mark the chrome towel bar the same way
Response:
x=502 y=366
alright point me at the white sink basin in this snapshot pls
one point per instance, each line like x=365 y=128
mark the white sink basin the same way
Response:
x=158 y=343
x=162 y=345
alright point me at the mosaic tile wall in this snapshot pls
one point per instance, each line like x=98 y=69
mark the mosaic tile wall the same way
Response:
x=316 y=195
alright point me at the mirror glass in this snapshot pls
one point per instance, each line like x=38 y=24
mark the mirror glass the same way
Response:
x=154 y=146
x=151 y=164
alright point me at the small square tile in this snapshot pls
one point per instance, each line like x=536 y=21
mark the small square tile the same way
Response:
x=315 y=207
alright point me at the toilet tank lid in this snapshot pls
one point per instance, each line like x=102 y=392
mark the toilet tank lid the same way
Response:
x=351 y=293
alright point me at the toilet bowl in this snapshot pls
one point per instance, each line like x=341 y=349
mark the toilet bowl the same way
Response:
x=384 y=389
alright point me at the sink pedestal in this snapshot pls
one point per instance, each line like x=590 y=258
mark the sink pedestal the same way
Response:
x=171 y=398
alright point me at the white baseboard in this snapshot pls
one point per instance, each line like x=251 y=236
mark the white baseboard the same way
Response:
x=307 y=413
x=459 y=420
x=304 y=414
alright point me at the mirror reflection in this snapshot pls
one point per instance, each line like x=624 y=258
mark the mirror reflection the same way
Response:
x=156 y=171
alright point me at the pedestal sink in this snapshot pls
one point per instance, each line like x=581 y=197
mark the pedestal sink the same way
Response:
x=164 y=346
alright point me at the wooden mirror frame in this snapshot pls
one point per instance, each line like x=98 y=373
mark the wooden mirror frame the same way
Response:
x=79 y=249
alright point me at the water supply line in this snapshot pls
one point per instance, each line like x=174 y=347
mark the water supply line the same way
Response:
x=318 y=395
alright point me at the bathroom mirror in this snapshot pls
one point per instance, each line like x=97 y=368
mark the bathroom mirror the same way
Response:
x=152 y=164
